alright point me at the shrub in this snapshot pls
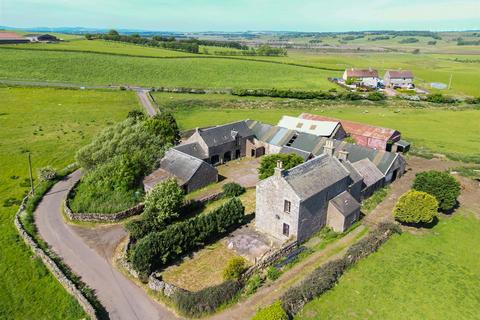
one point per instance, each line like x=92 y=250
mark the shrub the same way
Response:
x=253 y=283
x=163 y=203
x=444 y=187
x=416 y=207
x=47 y=173
x=232 y=189
x=440 y=98
x=269 y=162
x=273 y=273
x=475 y=100
x=376 y=96
x=159 y=248
x=196 y=304
x=234 y=269
x=272 y=312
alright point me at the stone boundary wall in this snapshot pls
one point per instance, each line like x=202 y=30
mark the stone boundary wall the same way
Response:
x=52 y=266
x=99 y=217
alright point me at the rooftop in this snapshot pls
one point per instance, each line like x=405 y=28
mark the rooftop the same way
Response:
x=345 y=203
x=318 y=128
x=399 y=74
x=362 y=73
x=218 y=135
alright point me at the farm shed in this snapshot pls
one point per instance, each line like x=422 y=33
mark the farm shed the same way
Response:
x=11 y=38
x=190 y=172
x=373 y=178
x=398 y=78
x=329 y=129
x=41 y=38
x=343 y=211
x=364 y=134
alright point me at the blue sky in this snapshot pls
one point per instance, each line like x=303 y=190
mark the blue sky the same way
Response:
x=240 y=15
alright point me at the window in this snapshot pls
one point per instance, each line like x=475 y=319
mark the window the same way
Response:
x=299 y=125
x=313 y=127
x=286 y=206
x=286 y=230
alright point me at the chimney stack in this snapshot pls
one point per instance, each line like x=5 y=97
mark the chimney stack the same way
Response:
x=343 y=155
x=278 y=169
x=328 y=148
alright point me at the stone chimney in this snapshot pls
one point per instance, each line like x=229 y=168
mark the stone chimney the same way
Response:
x=328 y=148
x=278 y=171
x=343 y=155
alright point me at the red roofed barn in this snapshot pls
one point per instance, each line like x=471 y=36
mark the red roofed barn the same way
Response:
x=11 y=37
x=364 y=134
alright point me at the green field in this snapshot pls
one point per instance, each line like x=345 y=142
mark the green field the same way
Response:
x=440 y=129
x=435 y=275
x=52 y=125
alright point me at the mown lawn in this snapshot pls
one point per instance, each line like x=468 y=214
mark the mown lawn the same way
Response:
x=52 y=125
x=440 y=129
x=427 y=276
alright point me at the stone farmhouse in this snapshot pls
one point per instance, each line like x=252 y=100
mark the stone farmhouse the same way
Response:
x=366 y=77
x=325 y=190
x=368 y=135
x=398 y=79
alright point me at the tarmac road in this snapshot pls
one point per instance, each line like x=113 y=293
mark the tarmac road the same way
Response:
x=120 y=296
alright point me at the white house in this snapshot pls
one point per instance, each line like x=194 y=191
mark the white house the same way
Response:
x=398 y=78
x=366 y=77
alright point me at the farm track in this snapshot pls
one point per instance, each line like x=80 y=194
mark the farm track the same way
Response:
x=182 y=57
x=120 y=296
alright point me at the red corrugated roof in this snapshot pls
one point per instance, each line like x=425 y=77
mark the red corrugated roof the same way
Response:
x=400 y=74
x=357 y=128
x=362 y=73
x=10 y=35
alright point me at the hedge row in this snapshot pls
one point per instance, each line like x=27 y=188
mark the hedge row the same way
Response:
x=160 y=248
x=196 y=304
x=297 y=94
x=326 y=276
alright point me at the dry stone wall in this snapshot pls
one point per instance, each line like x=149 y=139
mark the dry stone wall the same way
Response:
x=52 y=266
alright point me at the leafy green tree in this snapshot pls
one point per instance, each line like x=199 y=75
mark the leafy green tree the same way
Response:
x=113 y=32
x=268 y=163
x=272 y=312
x=234 y=269
x=444 y=187
x=163 y=203
x=165 y=125
x=416 y=207
x=232 y=189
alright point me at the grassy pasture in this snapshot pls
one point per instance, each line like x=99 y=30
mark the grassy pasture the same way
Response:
x=443 y=130
x=432 y=275
x=214 y=72
x=52 y=124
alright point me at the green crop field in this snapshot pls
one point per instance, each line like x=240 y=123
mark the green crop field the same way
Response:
x=435 y=275
x=52 y=125
x=88 y=68
x=440 y=129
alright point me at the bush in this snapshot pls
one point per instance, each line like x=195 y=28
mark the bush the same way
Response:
x=376 y=96
x=440 y=98
x=232 y=189
x=272 y=312
x=475 y=100
x=269 y=162
x=253 y=283
x=47 y=173
x=441 y=185
x=196 y=304
x=416 y=207
x=159 y=248
x=163 y=203
x=273 y=273
x=234 y=269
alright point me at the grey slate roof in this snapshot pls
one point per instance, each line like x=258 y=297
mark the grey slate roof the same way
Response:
x=304 y=154
x=345 y=203
x=368 y=171
x=194 y=149
x=218 y=135
x=313 y=176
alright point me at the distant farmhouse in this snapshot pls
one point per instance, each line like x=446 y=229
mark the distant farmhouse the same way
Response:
x=41 y=38
x=368 y=135
x=365 y=77
x=326 y=190
x=398 y=79
x=11 y=38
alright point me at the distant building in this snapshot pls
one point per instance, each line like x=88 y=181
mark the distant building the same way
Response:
x=11 y=38
x=368 y=135
x=298 y=202
x=41 y=38
x=398 y=78
x=190 y=172
x=329 y=129
x=365 y=77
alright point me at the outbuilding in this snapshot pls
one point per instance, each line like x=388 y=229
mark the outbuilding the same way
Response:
x=398 y=79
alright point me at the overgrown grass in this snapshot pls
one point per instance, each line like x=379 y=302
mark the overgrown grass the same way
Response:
x=372 y=202
x=52 y=125
x=430 y=276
